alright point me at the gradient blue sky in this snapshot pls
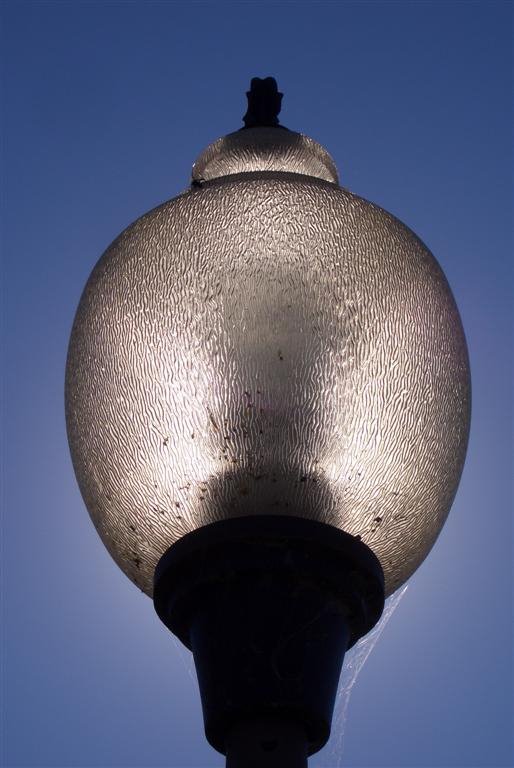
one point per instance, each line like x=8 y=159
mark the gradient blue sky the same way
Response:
x=105 y=106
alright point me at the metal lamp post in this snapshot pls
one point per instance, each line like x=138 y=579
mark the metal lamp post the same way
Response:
x=267 y=401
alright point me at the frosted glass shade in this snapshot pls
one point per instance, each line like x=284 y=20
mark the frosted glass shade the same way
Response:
x=267 y=342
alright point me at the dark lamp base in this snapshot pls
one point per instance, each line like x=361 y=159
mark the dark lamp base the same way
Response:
x=268 y=605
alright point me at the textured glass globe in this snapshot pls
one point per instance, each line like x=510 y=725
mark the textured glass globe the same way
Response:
x=267 y=342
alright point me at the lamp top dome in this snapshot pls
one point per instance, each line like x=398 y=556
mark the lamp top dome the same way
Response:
x=253 y=150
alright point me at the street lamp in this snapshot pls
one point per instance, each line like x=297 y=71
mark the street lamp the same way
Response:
x=267 y=402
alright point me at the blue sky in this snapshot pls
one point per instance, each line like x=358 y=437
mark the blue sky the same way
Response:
x=105 y=107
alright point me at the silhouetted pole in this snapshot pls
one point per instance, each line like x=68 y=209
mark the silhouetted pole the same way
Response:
x=270 y=742
x=268 y=605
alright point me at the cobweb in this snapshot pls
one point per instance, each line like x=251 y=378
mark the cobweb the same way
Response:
x=353 y=662
x=186 y=658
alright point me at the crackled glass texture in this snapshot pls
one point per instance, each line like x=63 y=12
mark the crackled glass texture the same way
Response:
x=267 y=342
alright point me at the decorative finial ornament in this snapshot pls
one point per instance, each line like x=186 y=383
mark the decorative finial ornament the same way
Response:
x=264 y=103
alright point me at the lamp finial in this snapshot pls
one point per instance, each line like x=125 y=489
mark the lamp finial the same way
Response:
x=264 y=102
